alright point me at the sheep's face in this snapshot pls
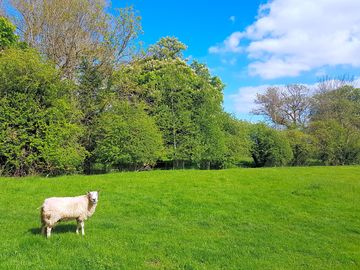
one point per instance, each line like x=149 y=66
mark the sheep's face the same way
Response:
x=93 y=196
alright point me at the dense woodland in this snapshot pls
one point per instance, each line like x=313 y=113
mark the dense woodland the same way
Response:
x=79 y=94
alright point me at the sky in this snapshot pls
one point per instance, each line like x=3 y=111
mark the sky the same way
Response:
x=254 y=44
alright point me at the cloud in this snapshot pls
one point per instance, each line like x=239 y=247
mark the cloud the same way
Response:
x=293 y=36
x=230 y=44
x=243 y=100
x=232 y=19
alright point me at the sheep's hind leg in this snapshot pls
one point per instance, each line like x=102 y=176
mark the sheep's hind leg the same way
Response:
x=43 y=227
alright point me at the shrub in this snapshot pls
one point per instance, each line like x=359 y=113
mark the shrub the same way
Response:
x=127 y=136
x=302 y=146
x=39 y=130
x=269 y=147
x=336 y=144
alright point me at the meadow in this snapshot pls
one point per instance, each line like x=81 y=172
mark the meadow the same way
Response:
x=273 y=218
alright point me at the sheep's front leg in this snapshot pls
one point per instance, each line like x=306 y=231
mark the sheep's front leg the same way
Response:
x=82 y=228
x=48 y=232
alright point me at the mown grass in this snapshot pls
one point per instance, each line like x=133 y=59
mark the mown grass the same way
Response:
x=278 y=218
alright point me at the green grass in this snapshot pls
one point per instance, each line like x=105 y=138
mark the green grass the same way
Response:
x=279 y=218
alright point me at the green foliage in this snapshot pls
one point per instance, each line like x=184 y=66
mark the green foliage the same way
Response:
x=237 y=140
x=336 y=144
x=336 y=125
x=302 y=146
x=38 y=121
x=167 y=48
x=126 y=137
x=93 y=95
x=269 y=147
x=7 y=34
x=185 y=104
x=341 y=105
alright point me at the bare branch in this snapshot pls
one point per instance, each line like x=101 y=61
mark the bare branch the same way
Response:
x=288 y=106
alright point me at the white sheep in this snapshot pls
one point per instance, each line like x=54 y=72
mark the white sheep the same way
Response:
x=58 y=209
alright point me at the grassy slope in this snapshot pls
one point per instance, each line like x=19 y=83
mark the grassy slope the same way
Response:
x=285 y=218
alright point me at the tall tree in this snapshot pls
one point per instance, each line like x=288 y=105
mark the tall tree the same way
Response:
x=68 y=30
x=186 y=102
x=287 y=106
x=237 y=140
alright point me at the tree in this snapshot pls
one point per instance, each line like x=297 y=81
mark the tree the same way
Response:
x=336 y=144
x=93 y=96
x=208 y=116
x=66 y=31
x=185 y=101
x=269 y=147
x=237 y=140
x=126 y=137
x=39 y=128
x=287 y=106
x=341 y=104
x=335 y=116
x=7 y=34
x=167 y=48
x=302 y=146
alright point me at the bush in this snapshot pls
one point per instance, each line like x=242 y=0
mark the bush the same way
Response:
x=269 y=147
x=237 y=141
x=39 y=130
x=336 y=144
x=127 y=137
x=302 y=146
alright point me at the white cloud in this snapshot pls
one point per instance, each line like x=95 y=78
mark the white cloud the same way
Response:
x=243 y=100
x=293 y=36
x=232 y=19
x=230 y=44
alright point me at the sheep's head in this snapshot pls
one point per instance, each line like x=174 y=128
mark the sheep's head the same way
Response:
x=93 y=196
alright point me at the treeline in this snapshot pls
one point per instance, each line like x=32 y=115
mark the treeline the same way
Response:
x=78 y=95
x=314 y=126
x=78 y=111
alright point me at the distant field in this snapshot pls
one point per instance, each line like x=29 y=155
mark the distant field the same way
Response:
x=278 y=218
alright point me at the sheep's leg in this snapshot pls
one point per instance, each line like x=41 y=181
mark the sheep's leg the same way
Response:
x=82 y=228
x=48 y=231
x=43 y=229
x=78 y=226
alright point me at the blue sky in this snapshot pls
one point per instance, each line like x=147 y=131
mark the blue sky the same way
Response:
x=253 y=44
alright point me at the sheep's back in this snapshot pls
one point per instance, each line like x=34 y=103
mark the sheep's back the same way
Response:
x=65 y=207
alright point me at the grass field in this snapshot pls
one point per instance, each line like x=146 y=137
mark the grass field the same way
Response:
x=278 y=218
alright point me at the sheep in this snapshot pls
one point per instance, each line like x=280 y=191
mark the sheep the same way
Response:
x=58 y=209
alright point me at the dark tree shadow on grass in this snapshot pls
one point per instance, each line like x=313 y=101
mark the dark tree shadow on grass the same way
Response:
x=61 y=228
